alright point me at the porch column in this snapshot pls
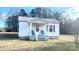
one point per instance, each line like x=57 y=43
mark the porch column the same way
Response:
x=30 y=28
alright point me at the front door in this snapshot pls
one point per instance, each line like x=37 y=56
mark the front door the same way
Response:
x=37 y=29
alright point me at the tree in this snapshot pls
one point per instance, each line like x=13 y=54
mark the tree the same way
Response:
x=12 y=23
x=12 y=20
x=44 y=12
x=56 y=15
x=22 y=13
x=38 y=11
x=75 y=31
x=65 y=24
x=68 y=26
x=41 y=12
x=32 y=13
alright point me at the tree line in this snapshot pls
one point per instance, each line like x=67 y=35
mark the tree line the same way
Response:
x=67 y=25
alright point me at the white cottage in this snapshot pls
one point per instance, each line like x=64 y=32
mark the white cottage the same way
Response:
x=38 y=27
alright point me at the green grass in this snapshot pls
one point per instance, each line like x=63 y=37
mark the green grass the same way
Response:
x=64 y=43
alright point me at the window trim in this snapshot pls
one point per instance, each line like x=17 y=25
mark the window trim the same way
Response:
x=47 y=28
x=52 y=28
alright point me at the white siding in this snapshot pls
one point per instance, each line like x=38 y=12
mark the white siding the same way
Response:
x=56 y=33
x=24 y=29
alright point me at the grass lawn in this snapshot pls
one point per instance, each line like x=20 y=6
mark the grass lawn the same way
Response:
x=64 y=43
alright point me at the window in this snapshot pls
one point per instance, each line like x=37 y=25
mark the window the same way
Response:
x=51 y=28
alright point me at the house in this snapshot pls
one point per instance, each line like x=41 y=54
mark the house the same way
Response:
x=41 y=27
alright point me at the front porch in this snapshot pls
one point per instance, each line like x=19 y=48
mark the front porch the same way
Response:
x=37 y=31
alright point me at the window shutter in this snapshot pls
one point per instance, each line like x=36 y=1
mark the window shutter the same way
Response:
x=46 y=28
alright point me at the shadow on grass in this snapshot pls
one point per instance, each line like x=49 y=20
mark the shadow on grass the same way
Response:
x=69 y=46
x=8 y=37
x=57 y=47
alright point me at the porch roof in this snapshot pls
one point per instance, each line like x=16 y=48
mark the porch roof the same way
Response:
x=37 y=20
x=52 y=20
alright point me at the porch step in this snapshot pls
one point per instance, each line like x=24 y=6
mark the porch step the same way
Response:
x=39 y=38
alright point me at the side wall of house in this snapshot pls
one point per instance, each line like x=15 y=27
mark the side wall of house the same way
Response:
x=56 y=33
x=24 y=29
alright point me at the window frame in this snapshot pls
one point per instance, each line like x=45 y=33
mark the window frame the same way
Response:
x=47 y=28
x=51 y=28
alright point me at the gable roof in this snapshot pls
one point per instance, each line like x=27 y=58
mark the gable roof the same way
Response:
x=37 y=20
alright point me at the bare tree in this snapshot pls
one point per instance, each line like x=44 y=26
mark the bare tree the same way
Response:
x=69 y=26
x=75 y=31
x=65 y=24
